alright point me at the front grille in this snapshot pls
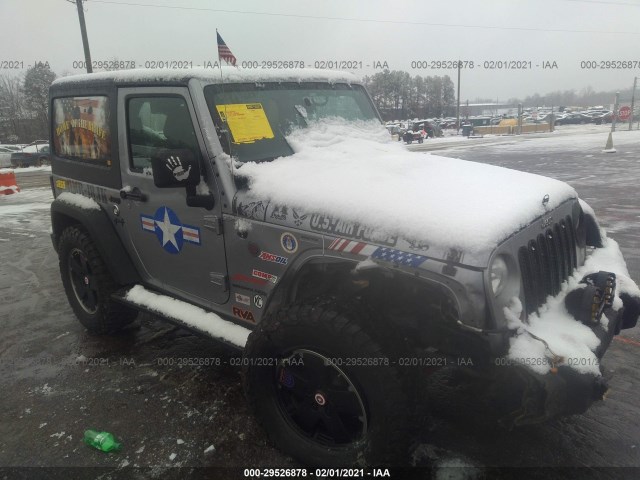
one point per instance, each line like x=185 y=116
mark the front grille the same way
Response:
x=546 y=262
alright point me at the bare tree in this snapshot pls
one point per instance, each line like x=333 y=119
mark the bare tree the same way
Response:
x=11 y=106
x=398 y=95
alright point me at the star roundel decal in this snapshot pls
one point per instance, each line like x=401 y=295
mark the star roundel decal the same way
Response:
x=171 y=233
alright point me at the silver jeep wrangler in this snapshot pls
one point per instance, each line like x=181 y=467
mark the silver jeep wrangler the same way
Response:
x=349 y=328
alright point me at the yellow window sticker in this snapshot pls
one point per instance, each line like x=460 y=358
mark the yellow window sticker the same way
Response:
x=61 y=184
x=247 y=121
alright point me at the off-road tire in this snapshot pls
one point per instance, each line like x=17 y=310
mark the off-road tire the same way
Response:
x=336 y=332
x=108 y=316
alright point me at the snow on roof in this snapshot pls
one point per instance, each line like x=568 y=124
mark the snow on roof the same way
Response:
x=78 y=200
x=190 y=315
x=213 y=75
x=354 y=172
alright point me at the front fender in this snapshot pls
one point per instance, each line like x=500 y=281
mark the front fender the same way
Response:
x=591 y=226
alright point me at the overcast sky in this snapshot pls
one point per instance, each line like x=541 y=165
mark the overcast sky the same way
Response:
x=398 y=32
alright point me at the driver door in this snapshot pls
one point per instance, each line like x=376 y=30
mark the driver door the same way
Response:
x=177 y=248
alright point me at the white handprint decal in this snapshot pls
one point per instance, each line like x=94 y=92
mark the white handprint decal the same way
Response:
x=175 y=165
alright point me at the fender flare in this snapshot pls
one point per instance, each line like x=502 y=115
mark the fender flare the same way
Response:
x=102 y=232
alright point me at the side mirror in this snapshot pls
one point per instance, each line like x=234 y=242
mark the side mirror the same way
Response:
x=175 y=168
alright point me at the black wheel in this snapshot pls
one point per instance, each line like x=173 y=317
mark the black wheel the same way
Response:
x=311 y=378
x=89 y=285
x=420 y=140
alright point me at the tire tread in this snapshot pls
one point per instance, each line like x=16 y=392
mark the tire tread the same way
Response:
x=111 y=315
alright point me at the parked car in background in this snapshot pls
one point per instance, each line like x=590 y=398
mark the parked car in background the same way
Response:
x=432 y=129
x=37 y=142
x=448 y=123
x=13 y=148
x=393 y=128
x=5 y=156
x=574 y=119
x=600 y=118
x=34 y=155
x=544 y=118
x=410 y=135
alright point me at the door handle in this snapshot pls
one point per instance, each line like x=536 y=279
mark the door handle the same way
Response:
x=133 y=194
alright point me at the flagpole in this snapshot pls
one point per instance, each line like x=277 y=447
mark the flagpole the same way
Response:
x=225 y=105
x=219 y=59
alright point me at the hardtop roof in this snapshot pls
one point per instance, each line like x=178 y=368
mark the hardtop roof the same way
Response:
x=209 y=75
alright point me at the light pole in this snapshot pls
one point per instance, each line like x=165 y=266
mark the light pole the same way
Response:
x=615 y=112
x=458 y=108
x=633 y=100
x=83 y=32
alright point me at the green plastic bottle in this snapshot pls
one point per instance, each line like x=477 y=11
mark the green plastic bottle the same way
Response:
x=101 y=440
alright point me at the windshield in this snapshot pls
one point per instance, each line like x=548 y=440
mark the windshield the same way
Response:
x=252 y=120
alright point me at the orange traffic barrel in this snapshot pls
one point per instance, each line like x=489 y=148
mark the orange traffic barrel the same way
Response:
x=8 y=183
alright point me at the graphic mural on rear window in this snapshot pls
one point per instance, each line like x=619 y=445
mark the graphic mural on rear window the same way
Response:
x=81 y=129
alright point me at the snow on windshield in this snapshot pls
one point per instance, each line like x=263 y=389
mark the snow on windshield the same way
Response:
x=355 y=172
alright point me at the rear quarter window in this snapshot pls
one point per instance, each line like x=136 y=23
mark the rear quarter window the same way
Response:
x=81 y=129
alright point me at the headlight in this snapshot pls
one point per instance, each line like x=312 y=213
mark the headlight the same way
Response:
x=499 y=275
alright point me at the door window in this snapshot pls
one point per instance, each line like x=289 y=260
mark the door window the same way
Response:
x=158 y=123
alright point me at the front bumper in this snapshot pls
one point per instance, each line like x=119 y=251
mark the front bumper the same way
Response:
x=564 y=390
x=514 y=394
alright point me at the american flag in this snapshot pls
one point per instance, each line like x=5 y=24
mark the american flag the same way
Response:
x=398 y=257
x=224 y=52
x=379 y=253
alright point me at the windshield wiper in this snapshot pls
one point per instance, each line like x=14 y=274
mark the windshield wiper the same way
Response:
x=300 y=110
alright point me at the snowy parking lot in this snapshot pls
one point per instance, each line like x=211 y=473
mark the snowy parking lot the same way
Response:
x=59 y=381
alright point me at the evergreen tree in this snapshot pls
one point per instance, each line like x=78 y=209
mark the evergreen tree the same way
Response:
x=35 y=88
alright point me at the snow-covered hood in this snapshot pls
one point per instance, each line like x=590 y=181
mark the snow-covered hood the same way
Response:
x=354 y=173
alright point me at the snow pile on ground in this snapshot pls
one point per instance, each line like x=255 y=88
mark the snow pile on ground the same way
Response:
x=44 y=168
x=194 y=316
x=26 y=211
x=355 y=172
x=79 y=201
x=564 y=335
